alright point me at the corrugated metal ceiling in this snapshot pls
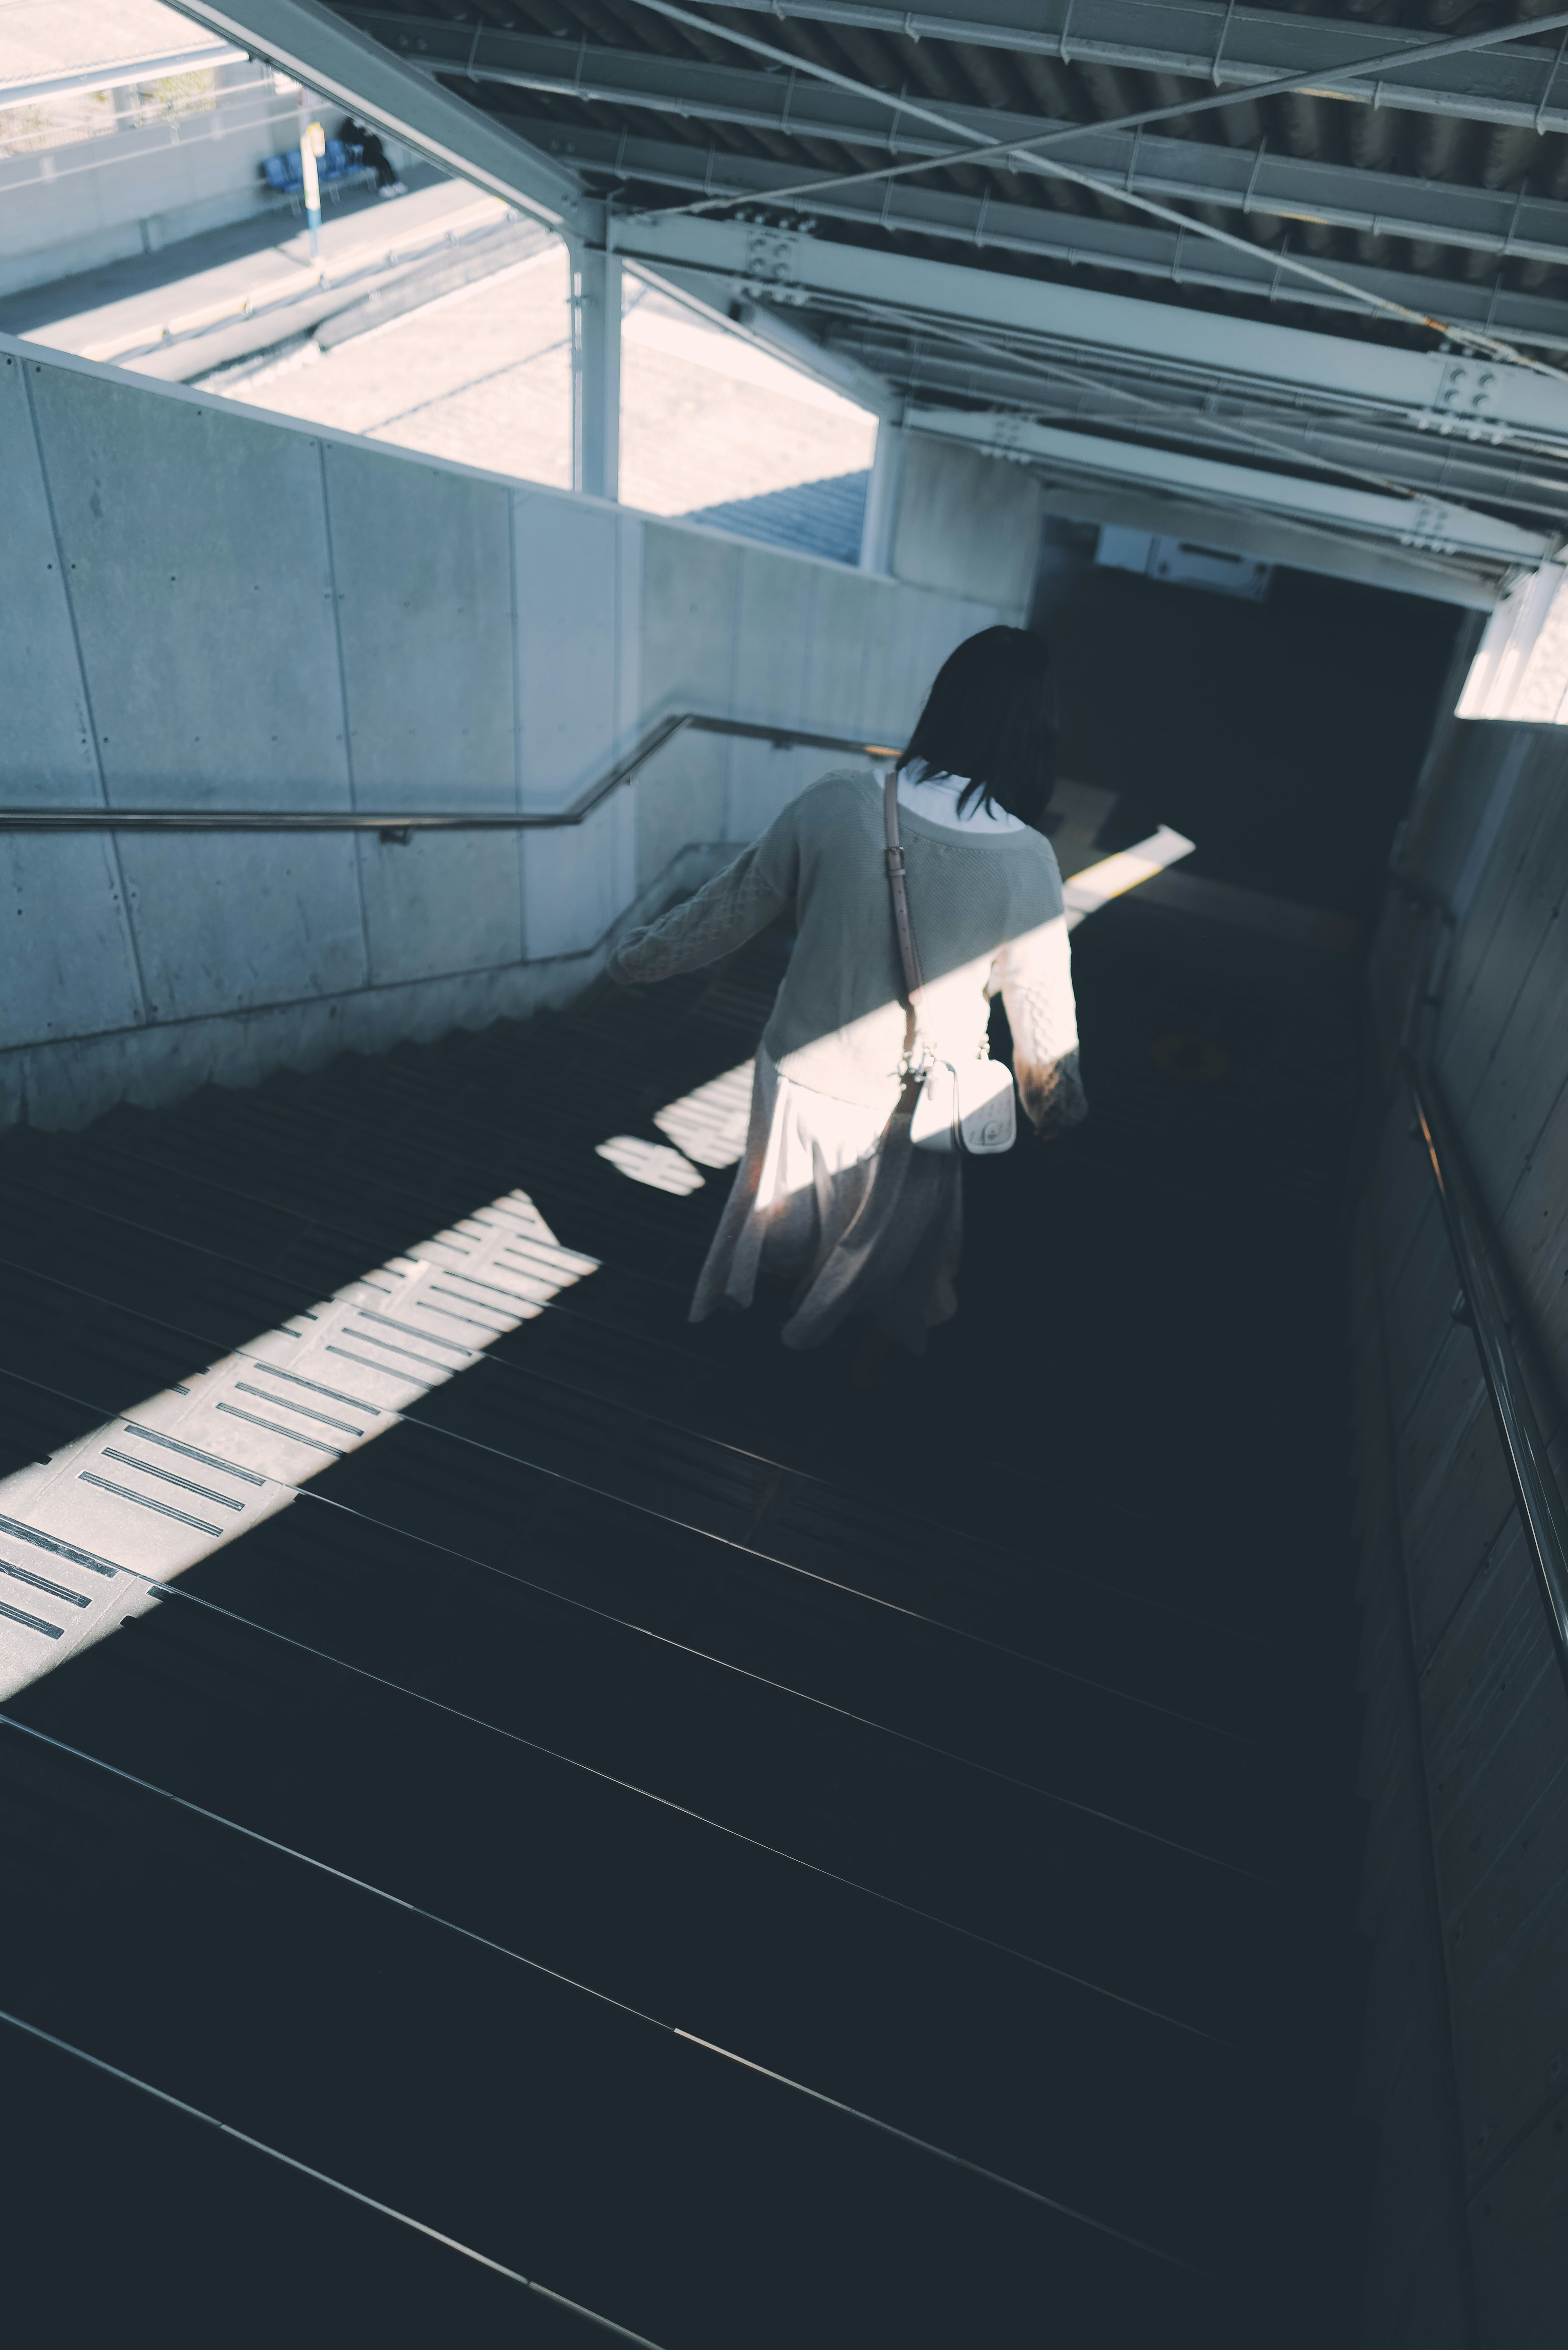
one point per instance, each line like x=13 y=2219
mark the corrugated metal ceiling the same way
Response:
x=1509 y=164
x=1440 y=183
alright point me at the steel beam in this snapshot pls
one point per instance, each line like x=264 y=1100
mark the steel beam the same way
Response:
x=1271 y=538
x=770 y=331
x=370 y=81
x=1428 y=526
x=1200 y=40
x=1272 y=431
x=595 y=371
x=1431 y=390
x=1377 y=203
x=1077 y=240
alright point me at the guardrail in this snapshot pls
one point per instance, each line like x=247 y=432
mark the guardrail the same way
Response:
x=1542 y=1511
x=399 y=826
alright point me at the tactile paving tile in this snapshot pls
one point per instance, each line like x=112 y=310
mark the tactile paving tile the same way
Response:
x=149 y=1492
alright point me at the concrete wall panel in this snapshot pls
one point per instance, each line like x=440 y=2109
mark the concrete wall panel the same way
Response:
x=691 y=590
x=567 y=559
x=775 y=621
x=1492 y=1801
x=67 y=961
x=224 y=926
x=1401 y=1189
x=577 y=569
x=1415 y=2290
x=195 y=540
x=265 y=614
x=947 y=621
x=895 y=678
x=1525 y=1070
x=1498 y=1746
x=836 y=677
x=1473 y=780
x=1419 y=1302
x=967 y=523
x=1535 y=1235
x=572 y=892
x=447 y=903
x=422 y=566
x=775 y=627
x=1520 y=2235
x=49 y=733
x=1473 y=1027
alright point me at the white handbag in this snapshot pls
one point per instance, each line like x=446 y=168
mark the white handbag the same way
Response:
x=966 y=1105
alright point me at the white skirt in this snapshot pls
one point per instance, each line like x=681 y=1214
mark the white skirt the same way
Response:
x=831 y=1196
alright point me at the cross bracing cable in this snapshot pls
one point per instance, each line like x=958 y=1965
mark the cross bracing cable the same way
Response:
x=1319 y=78
x=321 y=2177
x=1247 y=436
x=1196 y=423
x=1027 y=352
x=1026 y=155
x=1190 y=426
x=1182 y=265
x=603 y=1998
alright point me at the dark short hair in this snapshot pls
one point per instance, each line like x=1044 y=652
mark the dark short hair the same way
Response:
x=992 y=715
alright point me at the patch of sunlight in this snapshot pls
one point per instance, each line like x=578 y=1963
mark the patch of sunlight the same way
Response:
x=481 y=375
x=1520 y=668
x=661 y=326
x=650 y=1163
x=1097 y=885
x=87 y=1535
x=710 y=1125
x=707 y=418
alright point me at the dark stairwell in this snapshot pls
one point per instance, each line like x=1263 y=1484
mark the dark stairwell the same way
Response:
x=969 y=1753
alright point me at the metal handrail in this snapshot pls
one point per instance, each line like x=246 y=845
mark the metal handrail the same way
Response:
x=1541 y=1504
x=398 y=826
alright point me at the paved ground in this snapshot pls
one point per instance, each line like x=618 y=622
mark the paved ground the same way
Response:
x=485 y=376
x=482 y=375
x=108 y=312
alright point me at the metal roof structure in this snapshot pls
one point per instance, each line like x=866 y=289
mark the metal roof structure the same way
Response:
x=1225 y=263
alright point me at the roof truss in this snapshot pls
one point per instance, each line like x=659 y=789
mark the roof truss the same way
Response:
x=1462 y=461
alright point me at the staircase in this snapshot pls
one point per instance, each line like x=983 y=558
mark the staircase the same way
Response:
x=757 y=1849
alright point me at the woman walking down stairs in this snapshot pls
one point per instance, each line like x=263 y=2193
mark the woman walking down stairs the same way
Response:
x=736 y=1855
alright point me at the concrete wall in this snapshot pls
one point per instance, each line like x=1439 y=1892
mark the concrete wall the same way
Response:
x=1466 y=1760
x=202 y=605
x=76 y=207
x=965 y=520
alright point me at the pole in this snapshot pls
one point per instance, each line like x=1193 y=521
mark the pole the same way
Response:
x=312 y=143
x=595 y=371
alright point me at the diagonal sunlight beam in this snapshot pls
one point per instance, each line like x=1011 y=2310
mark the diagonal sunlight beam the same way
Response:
x=709 y=1126
x=1097 y=885
x=156 y=1488
x=152 y=1491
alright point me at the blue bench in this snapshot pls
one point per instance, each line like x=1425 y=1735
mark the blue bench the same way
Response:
x=338 y=168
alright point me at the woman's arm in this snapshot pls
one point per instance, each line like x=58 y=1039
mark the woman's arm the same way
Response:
x=1036 y=979
x=733 y=907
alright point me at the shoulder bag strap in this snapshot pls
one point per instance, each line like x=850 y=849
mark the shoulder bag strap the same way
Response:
x=908 y=953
